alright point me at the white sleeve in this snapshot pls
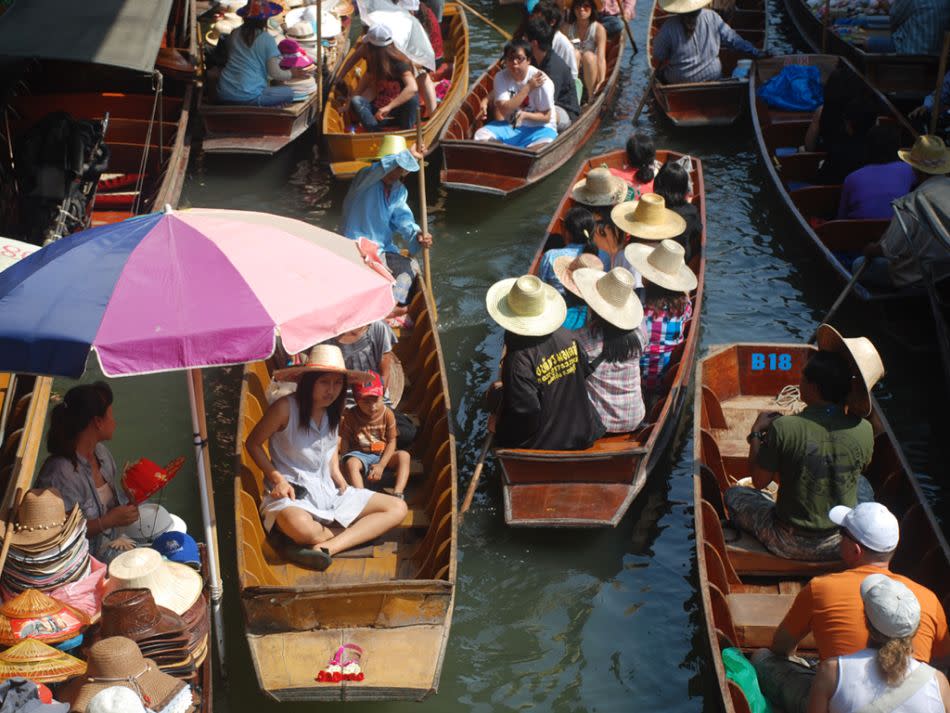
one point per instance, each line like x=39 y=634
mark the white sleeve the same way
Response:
x=501 y=89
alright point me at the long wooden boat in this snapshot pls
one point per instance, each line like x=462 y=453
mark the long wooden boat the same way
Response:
x=714 y=103
x=901 y=77
x=231 y=129
x=349 y=147
x=779 y=133
x=147 y=132
x=492 y=167
x=594 y=487
x=394 y=597
x=745 y=590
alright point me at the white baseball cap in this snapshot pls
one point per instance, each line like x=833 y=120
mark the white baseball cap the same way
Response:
x=379 y=36
x=871 y=524
x=890 y=606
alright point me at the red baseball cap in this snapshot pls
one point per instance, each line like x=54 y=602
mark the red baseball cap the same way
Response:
x=371 y=387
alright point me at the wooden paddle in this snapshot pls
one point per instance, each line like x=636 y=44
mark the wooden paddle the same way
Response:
x=480 y=16
x=844 y=293
x=476 y=476
x=626 y=24
x=646 y=94
x=424 y=210
x=935 y=112
x=8 y=531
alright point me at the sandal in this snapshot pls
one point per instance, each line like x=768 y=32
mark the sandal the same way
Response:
x=340 y=669
x=401 y=496
x=318 y=559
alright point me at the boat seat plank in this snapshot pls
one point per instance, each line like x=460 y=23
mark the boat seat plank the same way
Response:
x=749 y=557
x=756 y=616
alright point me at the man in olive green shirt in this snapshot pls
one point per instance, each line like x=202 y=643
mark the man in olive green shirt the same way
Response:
x=816 y=457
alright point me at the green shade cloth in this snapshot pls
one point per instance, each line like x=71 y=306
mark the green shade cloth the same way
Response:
x=118 y=33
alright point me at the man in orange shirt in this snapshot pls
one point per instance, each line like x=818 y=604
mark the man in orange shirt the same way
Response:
x=830 y=608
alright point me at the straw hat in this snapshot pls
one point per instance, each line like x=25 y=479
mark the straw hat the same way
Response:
x=42 y=522
x=33 y=614
x=599 y=187
x=174 y=586
x=526 y=306
x=611 y=295
x=681 y=6
x=397 y=381
x=866 y=365
x=648 y=218
x=565 y=265
x=663 y=265
x=39 y=662
x=324 y=358
x=928 y=154
x=117 y=661
x=392 y=144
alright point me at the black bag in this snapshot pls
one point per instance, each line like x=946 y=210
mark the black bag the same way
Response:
x=407 y=430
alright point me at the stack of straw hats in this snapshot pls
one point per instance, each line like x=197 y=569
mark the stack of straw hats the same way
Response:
x=35 y=615
x=48 y=547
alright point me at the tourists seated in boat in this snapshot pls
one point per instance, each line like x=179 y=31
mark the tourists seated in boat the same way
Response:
x=641 y=166
x=868 y=192
x=590 y=45
x=686 y=49
x=648 y=220
x=917 y=27
x=667 y=308
x=544 y=403
x=540 y=36
x=849 y=151
x=895 y=260
x=368 y=439
x=376 y=207
x=577 y=238
x=613 y=342
x=829 y=123
x=427 y=19
x=369 y=348
x=84 y=472
x=564 y=269
x=306 y=492
x=387 y=93
x=835 y=388
x=672 y=183
x=614 y=14
x=522 y=102
x=553 y=15
x=829 y=608
x=886 y=670
x=254 y=60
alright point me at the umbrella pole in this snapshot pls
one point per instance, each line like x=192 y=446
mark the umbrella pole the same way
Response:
x=319 y=57
x=200 y=431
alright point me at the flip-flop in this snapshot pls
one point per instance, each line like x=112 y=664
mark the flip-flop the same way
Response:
x=318 y=559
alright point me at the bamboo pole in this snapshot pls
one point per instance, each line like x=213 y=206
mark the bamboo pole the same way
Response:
x=476 y=476
x=320 y=57
x=423 y=208
x=844 y=293
x=480 y=16
x=935 y=114
x=825 y=22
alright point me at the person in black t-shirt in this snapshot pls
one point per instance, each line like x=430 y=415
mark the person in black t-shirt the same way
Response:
x=544 y=403
x=541 y=35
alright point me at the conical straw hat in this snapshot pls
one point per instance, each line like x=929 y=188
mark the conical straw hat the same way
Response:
x=648 y=218
x=525 y=305
x=173 y=586
x=38 y=616
x=663 y=265
x=39 y=662
x=611 y=295
x=866 y=365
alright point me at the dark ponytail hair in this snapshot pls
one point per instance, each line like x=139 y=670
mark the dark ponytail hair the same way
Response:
x=641 y=153
x=579 y=225
x=80 y=406
x=672 y=182
x=304 y=398
x=620 y=345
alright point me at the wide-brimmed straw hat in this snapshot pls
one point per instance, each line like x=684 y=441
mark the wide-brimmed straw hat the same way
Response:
x=611 y=295
x=525 y=305
x=599 y=187
x=42 y=522
x=39 y=662
x=565 y=265
x=663 y=265
x=118 y=661
x=648 y=218
x=681 y=6
x=395 y=145
x=866 y=365
x=322 y=358
x=928 y=154
x=174 y=586
x=36 y=615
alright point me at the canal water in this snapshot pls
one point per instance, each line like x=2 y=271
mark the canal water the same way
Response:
x=556 y=621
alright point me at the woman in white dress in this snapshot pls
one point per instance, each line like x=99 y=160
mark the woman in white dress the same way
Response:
x=306 y=491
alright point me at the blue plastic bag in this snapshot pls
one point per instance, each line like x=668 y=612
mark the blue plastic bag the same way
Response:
x=795 y=88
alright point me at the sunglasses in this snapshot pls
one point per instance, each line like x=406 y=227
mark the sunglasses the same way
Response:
x=517 y=59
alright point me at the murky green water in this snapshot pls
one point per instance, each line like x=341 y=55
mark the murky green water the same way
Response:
x=561 y=621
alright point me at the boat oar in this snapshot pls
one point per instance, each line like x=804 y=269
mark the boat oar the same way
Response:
x=935 y=112
x=8 y=531
x=424 y=210
x=646 y=93
x=844 y=293
x=476 y=476
x=626 y=24
x=480 y=16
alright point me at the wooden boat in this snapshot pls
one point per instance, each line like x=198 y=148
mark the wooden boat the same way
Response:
x=714 y=103
x=147 y=129
x=594 y=487
x=393 y=598
x=745 y=590
x=492 y=167
x=778 y=134
x=350 y=147
x=231 y=129
x=901 y=77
